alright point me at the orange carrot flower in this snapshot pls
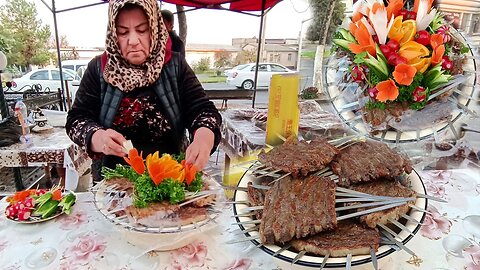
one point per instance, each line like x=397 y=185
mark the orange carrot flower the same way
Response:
x=365 y=40
x=438 y=54
x=436 y=40
x=394 y=6
x=164 y=168
x=135 y=160
x=387 y=90
x=404 y=74
x=190 y=171
x=416 y=5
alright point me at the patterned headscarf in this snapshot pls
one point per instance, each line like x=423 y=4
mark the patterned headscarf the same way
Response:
x=118 y=71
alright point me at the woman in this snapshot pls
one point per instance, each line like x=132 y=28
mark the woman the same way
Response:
x=140 y=91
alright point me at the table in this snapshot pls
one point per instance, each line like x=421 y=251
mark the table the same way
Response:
x=243 y=130
x=86 y=240
x=48 y=148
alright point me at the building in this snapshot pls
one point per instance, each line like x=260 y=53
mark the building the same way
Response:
x=465 y=15
x=282 y=51
x=195 y=52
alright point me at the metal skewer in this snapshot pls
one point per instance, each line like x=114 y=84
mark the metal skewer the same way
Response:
x=299 y=255
x=400 y=225
x=399 y=244
x=348 y=264
x=431 y=198
x=248 y=222
x=256 y=228
x=243 y=240
x=374 y=259
x=368 y=211
x=409 y=218
x=355 y=206
x=285 y=247
x=325 y=259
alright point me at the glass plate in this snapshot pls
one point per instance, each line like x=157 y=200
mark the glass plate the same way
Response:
x=33 y=221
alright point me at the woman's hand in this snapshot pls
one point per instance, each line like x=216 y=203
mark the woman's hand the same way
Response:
x=108 y=142
x=198 y=152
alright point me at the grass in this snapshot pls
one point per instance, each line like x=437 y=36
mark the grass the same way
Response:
x=213 y=79
x=309 y=54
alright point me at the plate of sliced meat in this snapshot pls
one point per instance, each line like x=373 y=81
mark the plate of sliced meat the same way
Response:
x=353 y=203
x=160 y=225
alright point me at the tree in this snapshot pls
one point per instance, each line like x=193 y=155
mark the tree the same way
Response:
x=321 y=10
x=182 y=23
x=246 y=56
x=202 y=65
x=222 y=58
x=52 y=43
x=27 y=38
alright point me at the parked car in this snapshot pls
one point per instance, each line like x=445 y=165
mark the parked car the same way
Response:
x=46 y=78
x=227 y=72
x=74 y=65
x=244 y=77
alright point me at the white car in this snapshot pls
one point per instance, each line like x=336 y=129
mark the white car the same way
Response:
x=244 y=77
x=227 y=72
x=47 y=78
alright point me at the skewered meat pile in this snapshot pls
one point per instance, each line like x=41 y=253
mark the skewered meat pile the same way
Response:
x=384 y=188
x=347 y=238
x=293 y=209
x=368 y=161
x=299 y=157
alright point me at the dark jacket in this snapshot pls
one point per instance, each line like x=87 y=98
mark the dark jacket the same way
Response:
x=180 y=93
x=177 y=43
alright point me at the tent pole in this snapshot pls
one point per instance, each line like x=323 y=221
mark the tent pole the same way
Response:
x=258 y=54
x=54 y=12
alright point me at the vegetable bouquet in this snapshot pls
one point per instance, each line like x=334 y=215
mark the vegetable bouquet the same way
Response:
x=157 y=178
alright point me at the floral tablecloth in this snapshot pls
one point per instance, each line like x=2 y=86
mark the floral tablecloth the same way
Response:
x=53 y=147
x=448 y=239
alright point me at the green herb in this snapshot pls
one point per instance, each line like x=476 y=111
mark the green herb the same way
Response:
x=448 y=49
x=406 y=92
x=465 y=49
x=196 y=184
x=119 y=171
x=371 y=104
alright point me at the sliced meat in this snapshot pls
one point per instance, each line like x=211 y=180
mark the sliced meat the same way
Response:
x=347 y=238
x=256 y=197
x=385 y=188
x=299 y=157
x=121 y=184
x=296 y=208
x=161 y=214
x=368 y=161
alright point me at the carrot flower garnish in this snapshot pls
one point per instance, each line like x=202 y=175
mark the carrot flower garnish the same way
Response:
x=164 y=168
x=190 y=172
x=387 y=90
x=436 y=40
x=438 y=54
x=135 y=160
x=394 y=7
x=404 y=74
x=365 y=40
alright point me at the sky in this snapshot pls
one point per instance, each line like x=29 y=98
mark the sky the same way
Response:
x=87 y=27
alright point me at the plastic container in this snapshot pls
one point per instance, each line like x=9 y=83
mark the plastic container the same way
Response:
x=22 y=114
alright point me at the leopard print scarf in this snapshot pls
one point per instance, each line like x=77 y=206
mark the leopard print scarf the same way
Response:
x=118 y=72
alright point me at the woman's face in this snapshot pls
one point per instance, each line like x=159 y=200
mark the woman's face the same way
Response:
x=133 y=34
